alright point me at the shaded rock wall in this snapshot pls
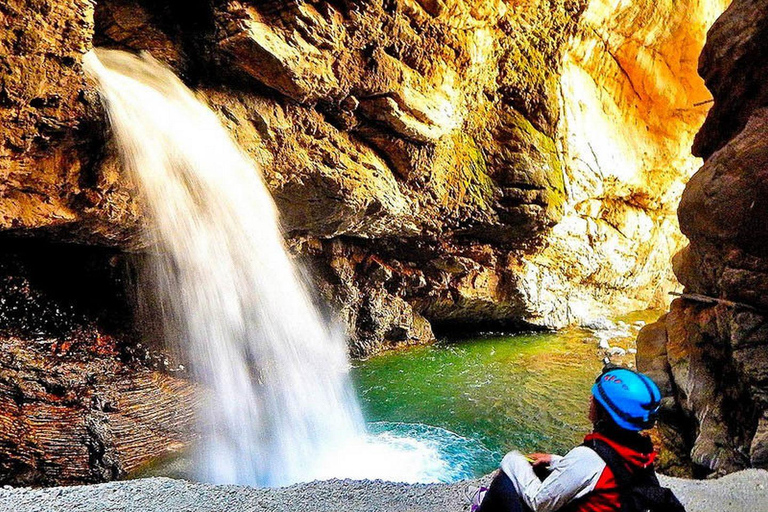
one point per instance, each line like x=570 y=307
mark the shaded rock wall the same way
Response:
x=80 y=400
x=447 y=163
x=712 y=348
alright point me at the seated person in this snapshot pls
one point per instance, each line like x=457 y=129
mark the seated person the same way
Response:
x=598 y=475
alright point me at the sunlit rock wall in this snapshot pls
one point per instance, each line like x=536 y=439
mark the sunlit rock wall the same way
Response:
x=711 y=350
x=433 y=127
x=51 y=138
x=503 y=162
x=614 y=123
x=631 y=104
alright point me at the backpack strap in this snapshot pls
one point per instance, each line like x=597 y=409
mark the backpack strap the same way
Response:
x=613 y=460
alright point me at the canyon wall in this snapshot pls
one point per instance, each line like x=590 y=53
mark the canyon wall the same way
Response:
x=506 y=163
x=436 y=164
x=631 y=104
x=711 y=350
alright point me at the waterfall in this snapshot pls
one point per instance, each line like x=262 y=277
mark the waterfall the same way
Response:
x=281 y=407
x=281 y=401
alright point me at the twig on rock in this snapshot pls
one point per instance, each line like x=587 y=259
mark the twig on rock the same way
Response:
x=706 y=299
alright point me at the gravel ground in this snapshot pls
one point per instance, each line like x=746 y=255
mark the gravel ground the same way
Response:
x=744 y=491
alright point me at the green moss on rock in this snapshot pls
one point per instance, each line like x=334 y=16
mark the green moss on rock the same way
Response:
x=531 y=161
x=463 y=183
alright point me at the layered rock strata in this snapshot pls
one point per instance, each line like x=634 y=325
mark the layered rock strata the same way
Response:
x=80 y=399
x=711 y=349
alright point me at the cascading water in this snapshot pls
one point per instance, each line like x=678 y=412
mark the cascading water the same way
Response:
x=278 y=374
x=282 y=409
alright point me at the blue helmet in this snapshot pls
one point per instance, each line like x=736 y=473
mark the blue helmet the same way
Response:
x=630 y=398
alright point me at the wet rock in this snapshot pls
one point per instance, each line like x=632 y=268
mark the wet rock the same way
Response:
x=80 y=400
x=416 y=92
x=55 y=178
x=52 y=433
x=759 y=448
x=136 y=26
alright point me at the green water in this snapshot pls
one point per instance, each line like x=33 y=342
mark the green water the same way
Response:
x=528 y=392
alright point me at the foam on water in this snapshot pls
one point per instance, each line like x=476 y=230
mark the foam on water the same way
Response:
x=410 y=453
x=281 y=406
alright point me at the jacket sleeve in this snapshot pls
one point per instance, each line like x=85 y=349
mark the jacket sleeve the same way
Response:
x=572 y=477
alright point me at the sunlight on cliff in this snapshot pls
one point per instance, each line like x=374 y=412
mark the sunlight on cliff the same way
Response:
x=632 y=102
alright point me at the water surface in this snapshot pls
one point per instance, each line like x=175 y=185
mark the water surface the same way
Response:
x=498 y=392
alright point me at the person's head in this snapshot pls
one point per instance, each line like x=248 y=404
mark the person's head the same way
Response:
x=624 y=399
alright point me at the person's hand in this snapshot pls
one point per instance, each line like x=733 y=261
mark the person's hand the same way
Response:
x=539 y=459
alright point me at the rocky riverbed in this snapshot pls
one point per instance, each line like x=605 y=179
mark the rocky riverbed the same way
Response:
x=742 y=491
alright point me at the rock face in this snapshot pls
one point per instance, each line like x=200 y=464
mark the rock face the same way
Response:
x=504 y=181
x=632 y=102
x=711 y=350
x=488 y=154
x=80 y=400
x=436 y=164
x=411 y=139
x=52 y=134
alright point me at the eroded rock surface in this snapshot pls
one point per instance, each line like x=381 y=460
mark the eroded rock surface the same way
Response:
x=632 y=102
x=712 y=347
x=451 y=129
x=52 y=135
x=80 y=399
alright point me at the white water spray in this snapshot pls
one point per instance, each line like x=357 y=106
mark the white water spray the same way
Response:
x=283 y=409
